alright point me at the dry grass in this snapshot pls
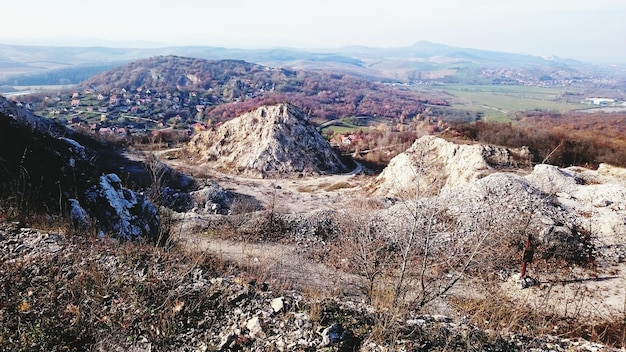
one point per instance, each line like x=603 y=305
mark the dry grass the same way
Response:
x=497 y=311
x=94 y=293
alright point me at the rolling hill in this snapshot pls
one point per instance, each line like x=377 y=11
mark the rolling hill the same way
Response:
x=418 y=62
x=231 y=87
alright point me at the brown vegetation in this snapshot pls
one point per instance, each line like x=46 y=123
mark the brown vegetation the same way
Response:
x=564 y=140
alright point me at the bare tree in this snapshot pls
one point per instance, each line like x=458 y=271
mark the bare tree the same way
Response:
x=367 y=248
x=416 y=249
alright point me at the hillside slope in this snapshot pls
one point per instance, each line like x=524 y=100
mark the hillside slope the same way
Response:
x=47 y=170
x=230 y=87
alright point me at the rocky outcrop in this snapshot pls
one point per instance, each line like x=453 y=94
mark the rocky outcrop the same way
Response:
x=574 y=214
x=121 y=212
x=432 y=164
x=276 y=140
x=48 y=169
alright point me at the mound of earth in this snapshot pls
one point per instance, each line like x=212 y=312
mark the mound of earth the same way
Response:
x=575 y=213
x=432 y=164
x=596 y=198
x=271 y=141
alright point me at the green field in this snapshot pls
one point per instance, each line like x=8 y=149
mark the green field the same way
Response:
x=498 y=103
x=349 y=124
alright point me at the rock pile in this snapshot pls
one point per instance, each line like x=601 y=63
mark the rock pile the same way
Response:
x=575 y=213
x=276 y=140
x=596 y=199
x=432 y=164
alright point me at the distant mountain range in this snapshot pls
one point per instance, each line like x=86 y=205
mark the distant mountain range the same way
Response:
x=423 y=61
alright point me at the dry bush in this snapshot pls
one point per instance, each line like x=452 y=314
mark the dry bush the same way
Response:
x=365 y=248
x=405 y=268
x=157 y=172
x=244 y=205
x=579 y=140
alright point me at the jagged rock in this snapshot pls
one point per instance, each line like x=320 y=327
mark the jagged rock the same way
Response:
x=255 y=328
x=336 y=334
x=128 y=215
x=432 y=164
x=275 y=140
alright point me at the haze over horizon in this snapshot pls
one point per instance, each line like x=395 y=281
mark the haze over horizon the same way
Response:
x=576 y=29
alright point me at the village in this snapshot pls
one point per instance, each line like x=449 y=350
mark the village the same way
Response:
x=123 y=113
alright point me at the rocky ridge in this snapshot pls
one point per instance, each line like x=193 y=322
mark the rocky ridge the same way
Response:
x=271 y=141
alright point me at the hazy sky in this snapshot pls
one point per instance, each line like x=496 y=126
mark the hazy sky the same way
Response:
x=589 y=30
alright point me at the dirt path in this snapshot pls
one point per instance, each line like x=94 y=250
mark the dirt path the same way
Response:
x=285 y=195
x=280 y=264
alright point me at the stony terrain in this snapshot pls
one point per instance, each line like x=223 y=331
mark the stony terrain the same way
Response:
x=575 y=214
x=259 y=261
x=111 y=297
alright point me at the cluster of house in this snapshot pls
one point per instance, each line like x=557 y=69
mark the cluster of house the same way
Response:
x=556 y=78
x=604 y=102
x=346 y=140
x=122 y=113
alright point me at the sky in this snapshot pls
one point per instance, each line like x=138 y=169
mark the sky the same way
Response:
x=587 y=30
